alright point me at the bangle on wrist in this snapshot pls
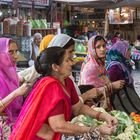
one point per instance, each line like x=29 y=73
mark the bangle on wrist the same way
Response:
x=98 y=115
x=2 y=105
x=81 y=99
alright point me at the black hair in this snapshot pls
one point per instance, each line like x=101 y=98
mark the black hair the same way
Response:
x=98 y=38
x=116 y=34
x=52 y=55
x=69 y=43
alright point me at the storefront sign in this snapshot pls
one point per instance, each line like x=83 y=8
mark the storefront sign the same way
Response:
x=36 y=2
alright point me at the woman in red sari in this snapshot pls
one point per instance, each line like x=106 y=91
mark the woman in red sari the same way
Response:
x=52 y=102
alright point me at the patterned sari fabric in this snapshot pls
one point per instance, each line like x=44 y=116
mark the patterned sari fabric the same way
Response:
x=93 y=72
x=8 y=83
x=94 y=135
x=40 y=100
x=5 y=128
x=116 y=57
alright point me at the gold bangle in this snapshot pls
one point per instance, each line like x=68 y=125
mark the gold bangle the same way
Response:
x=1 y=104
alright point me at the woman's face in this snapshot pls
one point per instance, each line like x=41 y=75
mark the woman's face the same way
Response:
x=13 y=49
x=100 y=48
x=65 y=68
x=38 y=40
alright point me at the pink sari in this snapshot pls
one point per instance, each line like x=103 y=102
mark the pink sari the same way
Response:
x=93 y=70
x=8 y=80
x=37 y=108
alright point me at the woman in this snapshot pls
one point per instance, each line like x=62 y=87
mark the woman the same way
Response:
x=119 y=68
x=10 y=103
x=53 y=100
x=118 y=62
x=67 y=42
x=93 y=70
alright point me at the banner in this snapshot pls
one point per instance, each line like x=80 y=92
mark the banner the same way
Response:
x=122 y=15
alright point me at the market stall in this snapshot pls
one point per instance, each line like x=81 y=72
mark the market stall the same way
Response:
x=128 y=124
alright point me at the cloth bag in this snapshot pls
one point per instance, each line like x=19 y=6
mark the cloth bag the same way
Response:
x=126 y=100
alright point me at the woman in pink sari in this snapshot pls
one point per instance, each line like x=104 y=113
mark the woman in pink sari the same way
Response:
x=93 y=70
x=52 y=102
x=10 y=103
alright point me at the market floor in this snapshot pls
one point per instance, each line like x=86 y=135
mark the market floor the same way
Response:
x=136 y=77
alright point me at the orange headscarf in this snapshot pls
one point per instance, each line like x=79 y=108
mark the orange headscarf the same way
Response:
x=45 y=42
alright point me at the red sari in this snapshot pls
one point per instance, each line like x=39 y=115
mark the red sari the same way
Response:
x=37 y=108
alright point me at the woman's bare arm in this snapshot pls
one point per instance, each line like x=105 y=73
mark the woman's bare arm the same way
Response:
x=18 y=92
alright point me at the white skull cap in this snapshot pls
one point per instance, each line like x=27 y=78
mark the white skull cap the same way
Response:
x=59 y=40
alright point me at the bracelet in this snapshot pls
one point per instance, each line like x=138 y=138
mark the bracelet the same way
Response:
x=1 y=104
x=98 y=115
x=81 y=99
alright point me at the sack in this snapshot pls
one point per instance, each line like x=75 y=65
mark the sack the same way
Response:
x=126 y=100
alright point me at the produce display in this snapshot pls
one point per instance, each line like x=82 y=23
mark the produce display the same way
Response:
x=80 y=51
x=135 y=117
x=127 y=128
x=80 y=48
x=38 y=23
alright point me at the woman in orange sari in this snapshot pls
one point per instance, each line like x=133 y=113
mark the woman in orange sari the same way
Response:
x=52 y=102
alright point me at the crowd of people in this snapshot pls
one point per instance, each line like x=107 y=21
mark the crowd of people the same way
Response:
x=40 y=101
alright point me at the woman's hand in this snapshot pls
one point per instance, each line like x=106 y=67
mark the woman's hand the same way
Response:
x=109 y=119
x=106 y=129
x=118 y=84
x=23 y=89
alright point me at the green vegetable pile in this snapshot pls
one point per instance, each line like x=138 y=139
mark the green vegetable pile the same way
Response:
x=126 y=129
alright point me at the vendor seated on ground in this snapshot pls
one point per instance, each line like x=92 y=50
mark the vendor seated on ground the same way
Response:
x=35 y=48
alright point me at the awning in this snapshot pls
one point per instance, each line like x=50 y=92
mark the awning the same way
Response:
x=102 y=3
x=79 y=1
x=88 y=3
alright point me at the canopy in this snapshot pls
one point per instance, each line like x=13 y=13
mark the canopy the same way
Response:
x=102 y=4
